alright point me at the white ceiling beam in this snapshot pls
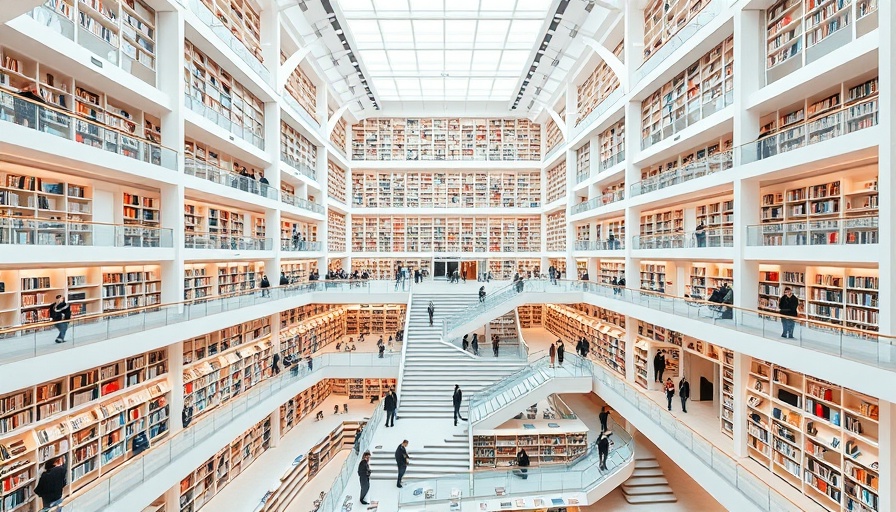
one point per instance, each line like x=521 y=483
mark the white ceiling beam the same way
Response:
x=440 y=16
x=616 y=65
x=448 y=47
x=292 y=62
x=334 y=119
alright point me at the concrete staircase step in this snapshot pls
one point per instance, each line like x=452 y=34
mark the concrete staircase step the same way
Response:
x=646 y=464
x=646 y=489
x=649 y=500
x=640 y=481
x=647 y=472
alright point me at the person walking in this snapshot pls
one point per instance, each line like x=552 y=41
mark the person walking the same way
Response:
x=579 y=346
x=61 y=313
x=52 y=482
x=265 y=285
x=670 y=392
x=496 y=344
x=457 y=399
x=615 y=284
x=561 y=350
x=382 y=350
x=603 y=449
x=522 y=460
x=389 y=406
x=788 y=305
x=402 y=459
x=553 y=352
x=364 y=475
x=659 y=366
x=586 y=348
x=465 y=343
x=700 y=235
x=482 y=294
x=684 y=392
x=475 y=344
x=604 y=418
x=431 y=310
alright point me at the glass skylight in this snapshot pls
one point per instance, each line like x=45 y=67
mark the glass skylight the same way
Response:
x=444 y=50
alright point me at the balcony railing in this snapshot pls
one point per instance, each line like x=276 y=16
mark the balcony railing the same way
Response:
x=846 y=120
x=299 y=202
x=224 y=33
x=299 y=166
x=617 y=244
x=616 y=159
x=206 y=240
x=599 y=110
x=196 y=105
x=855 y=231
x=294 y=103
x=723 y=237
x=31 y=231
x=289 y=244
x=710 y=165
x=124 y=479
x=49 y=119
x=594 y=202
x=37 y=339
x=227 y=178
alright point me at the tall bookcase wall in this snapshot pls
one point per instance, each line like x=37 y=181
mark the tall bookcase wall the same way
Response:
x=336 y=236
x=210 y=478
x=216 y=378
x=831 y=209
x=724 y=358
x=556 y=182
x=821 y=438
x=555 y=228
x=705 y=277
x=211 y=345
x=297 y=271
x=446 y=139
x=717 y=217
x=337 y=186
x=845 y=108
x=702 y=89
x=27 y=293
x=446 y=189
x=530 y=315
x=27 y=194
x=583 y=232
x=199 y=154
x=596 y=87
x=650 y=339
x=209 y=84
x=838 y=296
x=664 y=18
x=705 y=159
x=583 y=163
x=506 y=268
x=478 y=234
x=612 y=145
x=296 y=147
x=657 y=276
x=308 y=464
x=552 y=135
x=799 y=31
x=610 y=269
x=121 y=32
x=604 y=330
x=339 y=135
x=94 y=111
x=302 y=89
x=303 y=404
x=362 y=389
x=221 y=278
x=385 y=319
x=210 y=225
x=290 y=227
x=665 y=222
x=498 y=448
x=63 y=418
x=141 y=209
x=607 y=227
x=243 y=19
x=299 y=338
x=384 y=268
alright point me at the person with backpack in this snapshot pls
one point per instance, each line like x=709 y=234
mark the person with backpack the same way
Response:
x=522 y=460
x=265 y=286
x=61 y=313
x=52 y=482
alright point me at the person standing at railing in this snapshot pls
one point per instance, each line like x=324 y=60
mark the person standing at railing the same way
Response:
x=612 y=243
x=283 y=279
x=265 y=286
x=700 y=235
x=364 y=474
x=522 y=460
x=561 y=351
x=789 y=306
x=684 y=392
x=61 y=313
x=669 y=388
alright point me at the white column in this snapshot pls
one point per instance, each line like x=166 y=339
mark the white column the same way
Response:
x=631 y=331
x=324 y=231
x=571 y=272
x=176 y=384
x=272 y=173
x=886 y=184
x=741 y=381
x=746 y=213
x=632 y=175
x=633 y=52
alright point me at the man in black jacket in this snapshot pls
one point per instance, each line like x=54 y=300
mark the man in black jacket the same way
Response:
x=604 y=418
x=60 y=312
x=402 y=458
x=457 y=399
x=52 y=482
x=684 y=392
x=603 y=449
x=659 y=366
x=390 y=405
x=283 y=279
x=364 y=475
x=788 y=305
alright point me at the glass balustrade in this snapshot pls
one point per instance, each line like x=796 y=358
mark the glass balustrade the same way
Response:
x=59 y=232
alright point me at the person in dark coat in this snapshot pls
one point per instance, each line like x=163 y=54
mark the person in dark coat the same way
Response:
x=522 y=460
x=402 y=459
x=465 y=343
x=603 y=449
x=61 y=313
x=560 y=352
x=389 y=404
x=52 y=482
x=265 y=285
x=431 y=310
x=579 y=346
x=364 y=475
x=457 y=399
x=684 y=392
x=283 y=279
x=553 y=352
x=482 y=294
x=496 y=344
x=604 y=418
x=475 y=344
x=586 y=347
x=788 y=305
x=659 y=366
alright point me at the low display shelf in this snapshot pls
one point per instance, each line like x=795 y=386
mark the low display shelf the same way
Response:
x=604 y=330
x=544 y=444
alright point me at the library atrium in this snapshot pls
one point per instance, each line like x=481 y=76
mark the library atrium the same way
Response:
x=381 y=255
